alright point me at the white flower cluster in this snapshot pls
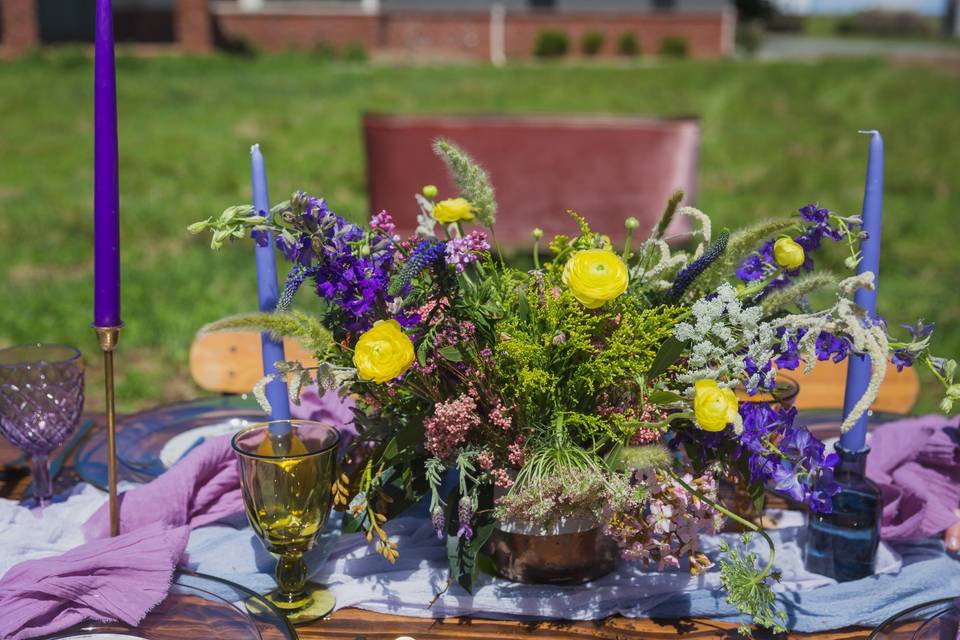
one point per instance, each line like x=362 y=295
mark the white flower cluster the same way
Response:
x=723 y=333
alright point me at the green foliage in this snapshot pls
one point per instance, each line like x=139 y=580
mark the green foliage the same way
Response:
x=471 y=179
x=674 y=47
x=558 y=357
x=591 y=43
x=748 y=587
x=294 y=324
x=551 y=43
x=628 y=45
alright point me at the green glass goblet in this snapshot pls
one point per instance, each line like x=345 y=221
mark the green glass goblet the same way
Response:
x=287 y=469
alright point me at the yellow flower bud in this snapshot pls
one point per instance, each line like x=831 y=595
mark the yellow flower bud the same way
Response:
x=595 y=276
x=714 y=407
x=430 y=191
x=537 y=233
x=453 y=210
x=383 y=352
x=788 y=253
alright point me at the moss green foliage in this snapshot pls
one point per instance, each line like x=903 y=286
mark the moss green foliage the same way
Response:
x=292 y=324
x=471 y=179
x=556 y=357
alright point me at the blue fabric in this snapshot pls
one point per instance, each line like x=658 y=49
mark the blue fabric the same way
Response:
x=927 y=574
x=920 y=573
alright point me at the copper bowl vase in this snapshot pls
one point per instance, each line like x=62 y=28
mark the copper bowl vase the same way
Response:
x=572 y=555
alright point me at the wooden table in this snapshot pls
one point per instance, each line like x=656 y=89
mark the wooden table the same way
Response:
x=355 y=624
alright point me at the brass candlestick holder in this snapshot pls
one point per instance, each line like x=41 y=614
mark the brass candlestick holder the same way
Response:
x=108 y=337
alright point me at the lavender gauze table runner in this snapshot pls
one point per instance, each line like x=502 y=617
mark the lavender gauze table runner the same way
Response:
x=909 y=572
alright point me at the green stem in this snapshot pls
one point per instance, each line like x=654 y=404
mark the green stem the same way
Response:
x=536 y=254
x=730 y=514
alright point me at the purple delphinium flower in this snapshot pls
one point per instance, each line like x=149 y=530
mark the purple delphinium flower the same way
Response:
x=813 y=213
x=785 y=455
x=829 y=346
x=920 y=330
x=752 y=268
x=762 y=264
x=902 y=358
x=763 y=379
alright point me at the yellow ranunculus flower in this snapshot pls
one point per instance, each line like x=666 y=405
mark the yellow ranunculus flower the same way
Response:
x=714 y=407
x=788 y=253
x=453 y=210
x=595 y=276
x=383 y=352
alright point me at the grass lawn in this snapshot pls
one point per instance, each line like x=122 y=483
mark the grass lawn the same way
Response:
x=775 y=136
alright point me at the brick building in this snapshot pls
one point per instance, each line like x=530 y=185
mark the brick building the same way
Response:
x=494 y=30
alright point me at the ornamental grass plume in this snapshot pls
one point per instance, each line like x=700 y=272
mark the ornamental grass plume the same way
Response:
x=471 y=179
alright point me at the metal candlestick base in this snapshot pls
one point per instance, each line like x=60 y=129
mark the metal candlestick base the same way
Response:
x=108 y=337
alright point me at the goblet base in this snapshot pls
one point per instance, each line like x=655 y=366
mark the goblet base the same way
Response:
x=318 y=602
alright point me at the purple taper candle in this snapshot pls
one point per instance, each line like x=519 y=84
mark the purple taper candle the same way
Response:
x=106 y=189
x=858 y=373
x=267 y=291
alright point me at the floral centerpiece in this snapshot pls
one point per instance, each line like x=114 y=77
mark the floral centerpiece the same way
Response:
x=597 y=384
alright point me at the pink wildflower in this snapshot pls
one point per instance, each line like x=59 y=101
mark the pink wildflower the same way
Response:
x=500 y=417
x=485 y=458
x=383 y=221
x=501 y=478
x=461 y=252
x=449 y=425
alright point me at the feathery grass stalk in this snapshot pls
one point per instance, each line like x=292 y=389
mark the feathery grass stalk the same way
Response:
x=294 y=324
x=802 y=286
x=668 y=214
x=741 y=244
x=471 y=179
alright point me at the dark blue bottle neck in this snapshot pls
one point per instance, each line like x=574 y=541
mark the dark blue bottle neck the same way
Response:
x=853 y=464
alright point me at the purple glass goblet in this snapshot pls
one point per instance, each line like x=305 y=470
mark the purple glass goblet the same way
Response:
x=41 y=400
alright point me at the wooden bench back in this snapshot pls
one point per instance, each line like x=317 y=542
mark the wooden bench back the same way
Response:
x=230 y=361
x=607 y=168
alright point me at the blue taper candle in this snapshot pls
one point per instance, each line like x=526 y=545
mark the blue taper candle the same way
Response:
x=858 y=374
x=267 y=291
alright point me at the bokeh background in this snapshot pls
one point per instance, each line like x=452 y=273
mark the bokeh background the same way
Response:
x=780 y=102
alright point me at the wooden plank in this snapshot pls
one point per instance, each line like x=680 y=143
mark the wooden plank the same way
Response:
x=823 y=388
x=355 y=624
x=230 y=361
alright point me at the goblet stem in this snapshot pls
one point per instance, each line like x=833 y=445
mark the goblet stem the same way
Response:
x=291 y=580
x=42 y=482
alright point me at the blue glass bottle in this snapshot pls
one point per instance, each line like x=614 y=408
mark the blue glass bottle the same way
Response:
x=843 y=544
